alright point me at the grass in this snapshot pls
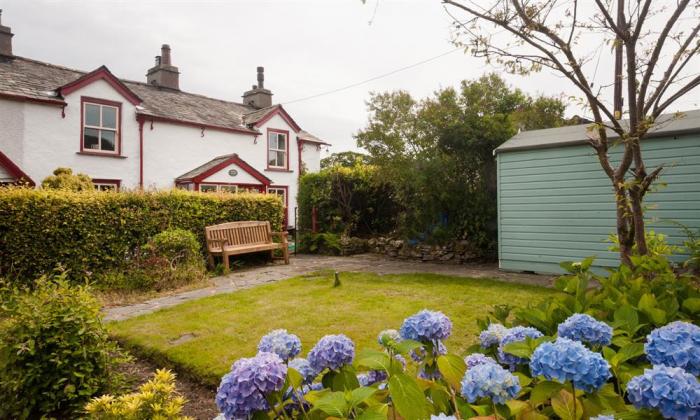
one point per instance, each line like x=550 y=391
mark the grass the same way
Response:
x=203 y=337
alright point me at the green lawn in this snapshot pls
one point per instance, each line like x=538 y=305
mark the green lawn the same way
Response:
x=203 y=337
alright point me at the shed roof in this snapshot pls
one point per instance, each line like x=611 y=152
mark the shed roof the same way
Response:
x=203 y=171
x=667 y=125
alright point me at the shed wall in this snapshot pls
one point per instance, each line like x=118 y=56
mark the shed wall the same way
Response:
x=556 y=204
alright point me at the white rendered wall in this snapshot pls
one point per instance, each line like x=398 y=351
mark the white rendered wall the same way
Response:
x=51 y=141
x=242 y=177
x=12 y=131
x=311 y=156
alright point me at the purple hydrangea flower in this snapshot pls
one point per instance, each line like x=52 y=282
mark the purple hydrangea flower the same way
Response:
x=387 y=336
x=426 y=326
x=304 y=368
x=676 y=345
x=419 y=354
x=280 y=342
x=242 y=391
x=490 y=380
x=476 y=359
x=492 y=336
x=671 y=390
x=332 y=352
x=432 y=375
x=515 y=335
x=442 y=416
x=567 y=360
x=586 y=329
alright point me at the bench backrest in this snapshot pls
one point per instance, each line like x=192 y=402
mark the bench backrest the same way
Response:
x=241 y=233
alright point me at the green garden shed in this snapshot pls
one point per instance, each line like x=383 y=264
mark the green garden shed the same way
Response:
x=556 y=204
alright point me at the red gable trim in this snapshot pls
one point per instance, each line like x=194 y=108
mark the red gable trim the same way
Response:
x=315 y=142
x=144 y=117
x=236 y=160
x=14 y=170
x=102 y=73
x=282 y=113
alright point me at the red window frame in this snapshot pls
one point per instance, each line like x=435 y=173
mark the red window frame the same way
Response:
x=286 y=198
x=267 y=145
x=118 y=135
x=116 y=182
x=196 y=185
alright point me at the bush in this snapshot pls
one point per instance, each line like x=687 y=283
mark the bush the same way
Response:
x=171 y=258
x=578 y=368
x=93 y=232
x=351 y=201
x=320 y=243
x=63 y=179
x=54 y=351
x=156 y=399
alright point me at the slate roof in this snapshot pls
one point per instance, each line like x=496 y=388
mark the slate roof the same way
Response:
x=38 y=80
x=306 y=136
x=667 y=125
x=187 y=176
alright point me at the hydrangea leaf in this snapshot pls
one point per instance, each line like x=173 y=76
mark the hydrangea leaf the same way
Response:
x=405 y=346
x=524 y=379
x=692 y=305
x=543 y=391
x=564 y=406
x=516 y=407
x=408 y=397
x=360 y=395
x=344 y=379
x=333 y=404
x=440 y=398
x=626 y=353
x=648 y=305
x=626 y=317
x=519 y=348
x=294 y=378
x=452 y=369
x=377 y=412
x=373 y=359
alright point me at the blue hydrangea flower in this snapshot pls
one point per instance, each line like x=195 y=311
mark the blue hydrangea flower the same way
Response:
x=401 y=360
x=304 y=368
x=490 y=380
x=426 y=326
x=603 y=417
x=432 y=375
x=332 y=352
x=242 y=391
x=476 y=359
x=586 y=329
x=388 y=335
x=514 y=335
x=442 y=416
x=280 y=342
x=672 y=391
x=567 y=360
x=419 y=354
x=492 y=336
x=677 y=345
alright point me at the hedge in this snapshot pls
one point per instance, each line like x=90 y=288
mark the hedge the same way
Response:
x=87 y=232
x=352 y=201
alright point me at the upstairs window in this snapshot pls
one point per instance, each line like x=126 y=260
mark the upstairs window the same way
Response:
x=277 y=148
x=100 y=131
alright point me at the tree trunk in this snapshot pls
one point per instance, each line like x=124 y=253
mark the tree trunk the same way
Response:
x=636 y=197
x=625 y=225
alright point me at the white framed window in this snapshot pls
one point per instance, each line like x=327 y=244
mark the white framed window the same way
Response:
x=280 y=191
x=106 y=184
x=208 y=187
x=277 y=149
x=100 y=130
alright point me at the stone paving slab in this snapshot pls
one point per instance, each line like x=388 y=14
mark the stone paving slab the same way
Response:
x=303 y=264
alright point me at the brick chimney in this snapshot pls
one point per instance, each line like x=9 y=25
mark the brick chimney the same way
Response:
x=258 y=97
x=164 y=74
x=5 y=39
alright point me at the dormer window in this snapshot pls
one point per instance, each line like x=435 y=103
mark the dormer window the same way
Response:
x=277 y=149
x=100 y=127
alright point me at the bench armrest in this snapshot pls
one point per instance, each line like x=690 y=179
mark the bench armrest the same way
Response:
x=282 y=235
x=215 y=242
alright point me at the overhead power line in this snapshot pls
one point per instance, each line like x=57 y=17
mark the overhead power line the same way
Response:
x=371 y=79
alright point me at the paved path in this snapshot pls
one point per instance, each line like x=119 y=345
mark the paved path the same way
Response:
x=303 y=264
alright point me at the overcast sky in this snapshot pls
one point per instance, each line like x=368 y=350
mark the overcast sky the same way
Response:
x=307 y=47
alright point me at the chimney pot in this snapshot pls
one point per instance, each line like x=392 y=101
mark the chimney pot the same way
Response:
x=165 y=53
x=261 y=77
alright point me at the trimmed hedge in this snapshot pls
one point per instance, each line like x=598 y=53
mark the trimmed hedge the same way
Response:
x=89 y=232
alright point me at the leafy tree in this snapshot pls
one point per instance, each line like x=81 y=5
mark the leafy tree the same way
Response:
x=437 y=153
x=657 y=45
x=346 y=159
x=63 y=179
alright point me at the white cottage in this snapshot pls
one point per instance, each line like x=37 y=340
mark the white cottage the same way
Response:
x=152 y=135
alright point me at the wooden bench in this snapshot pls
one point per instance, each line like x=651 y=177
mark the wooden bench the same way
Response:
x=235 y=238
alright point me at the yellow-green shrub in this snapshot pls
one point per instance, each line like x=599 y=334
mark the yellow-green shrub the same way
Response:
x=156 y=399
x=88 y=232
